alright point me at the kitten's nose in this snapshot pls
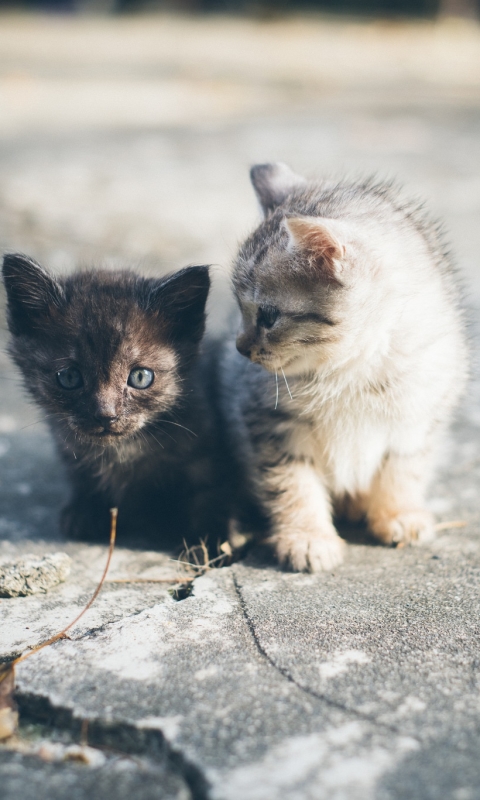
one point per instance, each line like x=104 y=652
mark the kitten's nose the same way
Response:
x=106 y=420
x=244 y=351
x=244 y=347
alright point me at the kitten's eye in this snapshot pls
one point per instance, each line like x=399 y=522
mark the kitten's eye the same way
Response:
x=140 y=378
x=70 y=378
x=267 y=316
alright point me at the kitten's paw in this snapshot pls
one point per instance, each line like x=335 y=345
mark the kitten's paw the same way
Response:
x=408 y=527
x=309 y=553
x=84 y=524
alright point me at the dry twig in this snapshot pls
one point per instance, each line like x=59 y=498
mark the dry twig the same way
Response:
x=8 y=709
x=148 y=580
x=455 y=523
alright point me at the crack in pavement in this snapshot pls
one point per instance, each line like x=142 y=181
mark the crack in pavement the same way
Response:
x=128 y=737
x=123 y=738
x=306 y=689
x=91 y=632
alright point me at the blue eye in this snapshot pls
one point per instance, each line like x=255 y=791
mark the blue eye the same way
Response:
x=70 y=378
x=141 y=378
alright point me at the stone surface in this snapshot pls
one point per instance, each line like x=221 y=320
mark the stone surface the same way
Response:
x=31 y=575
x=32 y=777
x=129 y=141
x=28 y=620
x=194 y=671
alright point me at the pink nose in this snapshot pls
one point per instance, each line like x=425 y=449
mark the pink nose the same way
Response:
x=106 y=417
x=105 y=421
x=243 y=349
x=244 y=344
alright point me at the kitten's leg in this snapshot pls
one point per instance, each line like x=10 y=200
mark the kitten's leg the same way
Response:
x=302 y=531
x=86 y=518
x=396 y=510
x=352 y=507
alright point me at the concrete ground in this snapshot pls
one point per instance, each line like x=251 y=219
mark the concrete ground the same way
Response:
x=128 y=142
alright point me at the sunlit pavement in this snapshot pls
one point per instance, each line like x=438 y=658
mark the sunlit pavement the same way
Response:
x=128 y=142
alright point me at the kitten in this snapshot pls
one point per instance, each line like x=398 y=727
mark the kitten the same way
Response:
x=357 y=356
x=113 y=359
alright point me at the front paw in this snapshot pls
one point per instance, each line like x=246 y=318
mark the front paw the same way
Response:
x=83 y=521
x=309 y=552
x=406 y=527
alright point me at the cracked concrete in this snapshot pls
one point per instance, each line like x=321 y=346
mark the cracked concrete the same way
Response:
x=118 y=776
x=193 y=671
x=262 y=685
x=46 y=615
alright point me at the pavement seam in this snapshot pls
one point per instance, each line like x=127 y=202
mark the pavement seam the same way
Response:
x=39 y=707
x=286 y=674
x=108 y=735
x=85 y=635
x=94 y=631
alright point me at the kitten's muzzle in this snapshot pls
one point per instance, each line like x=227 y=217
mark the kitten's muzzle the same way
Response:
x=244 y=350
x=107 y=423
x=106 y=420
x=245 y=341
x=250 y=350
x=249 y=347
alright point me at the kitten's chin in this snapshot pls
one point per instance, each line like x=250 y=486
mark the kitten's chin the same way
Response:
x=289 y=366
x=109 y=436
x=270 y=363
x=104 y=438
x=296 y=366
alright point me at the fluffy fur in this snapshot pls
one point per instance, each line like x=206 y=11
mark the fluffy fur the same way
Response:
x=354 y=357
x=145 y=450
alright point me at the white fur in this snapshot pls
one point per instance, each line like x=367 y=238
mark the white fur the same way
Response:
x=402 y=330
x=372 y=396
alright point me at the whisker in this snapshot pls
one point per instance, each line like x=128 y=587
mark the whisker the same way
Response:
x=142 y=436
x=286 y=383
x=37 y=422
x=154 y=437
x=276 y=383
x=178 y=426
x=170 y=437
x=147 y=436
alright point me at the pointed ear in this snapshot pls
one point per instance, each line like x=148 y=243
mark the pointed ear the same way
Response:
x=316 y=239
x=180 y=300
x=32 y=294
x=272 y=184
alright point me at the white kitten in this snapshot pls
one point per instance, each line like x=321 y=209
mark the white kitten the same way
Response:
x=347 y=292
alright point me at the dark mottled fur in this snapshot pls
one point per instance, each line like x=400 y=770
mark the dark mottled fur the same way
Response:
x=147 y=451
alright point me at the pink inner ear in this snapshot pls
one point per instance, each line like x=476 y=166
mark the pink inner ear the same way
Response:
x=316 y=238
x=319 y=244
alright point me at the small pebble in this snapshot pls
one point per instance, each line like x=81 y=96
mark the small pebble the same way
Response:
x=33 y=574
x=8 y=722
x=82 y=754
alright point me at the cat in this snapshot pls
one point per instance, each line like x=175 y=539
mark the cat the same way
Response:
x=113 y=360
x=353 y=356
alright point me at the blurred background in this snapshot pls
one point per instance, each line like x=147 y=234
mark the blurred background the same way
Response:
x=127 y=129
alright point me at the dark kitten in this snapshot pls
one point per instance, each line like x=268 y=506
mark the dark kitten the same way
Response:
x=113 y=359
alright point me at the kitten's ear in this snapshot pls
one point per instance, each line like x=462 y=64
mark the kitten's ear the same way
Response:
x=316 y=239
x=33 y=295
x=180 y=301
x=272 y=184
